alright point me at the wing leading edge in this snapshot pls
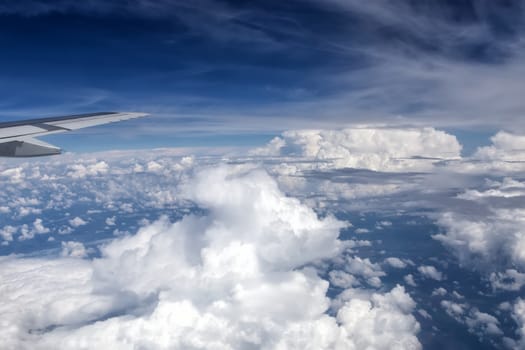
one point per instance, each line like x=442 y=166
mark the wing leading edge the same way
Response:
x=17 y=138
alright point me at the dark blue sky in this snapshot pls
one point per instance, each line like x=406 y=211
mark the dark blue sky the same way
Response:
x=258 y=67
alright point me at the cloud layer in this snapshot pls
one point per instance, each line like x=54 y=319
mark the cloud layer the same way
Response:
x=234 y=278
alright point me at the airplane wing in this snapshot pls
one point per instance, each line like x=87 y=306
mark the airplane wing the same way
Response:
x=17 y=138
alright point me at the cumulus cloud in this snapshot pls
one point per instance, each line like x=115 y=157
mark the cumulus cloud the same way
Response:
x=110 y=221
x=360 y=319
x=365 y=269
x=505 y=147
x=77 y=222
x=510 y=280
x=7 y=232
x=396 y=262
x=374 y=148
x=503 y=157
x=479 y=323
x=496 y=239
x=483 y=324
x=454 y=310
x=240 y=275
x=488 y=234
x=409 y=279
x=430 y=272
x=73 y=249
x=518 y=314
x=80 y=171
x=439 y=292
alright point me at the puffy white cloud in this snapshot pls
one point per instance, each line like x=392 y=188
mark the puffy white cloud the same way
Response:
x=81 y=171
x=360 y=319
x=13 y=175
x=490 y=237
x=504 y=157
x=396 y=262
x=479 y=323
x=369 y=271
x=505 y=147
x=482 y=324
x=7 y=232
x=343 y=279
x=454 y=310
x=518 y=314
x=409 y=279
x=439 y=292
x=27 y=231
x=110 y=221
x=374 y=148
x=429 y=271
x=510 y=280
x=486 y=241
x=73 y=249
x=77 y=222
x=39 y=228
x=234 y=277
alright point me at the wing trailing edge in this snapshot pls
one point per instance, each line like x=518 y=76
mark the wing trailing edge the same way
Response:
x=27 y=148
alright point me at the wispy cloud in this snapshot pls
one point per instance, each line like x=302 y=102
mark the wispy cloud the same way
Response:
x=270 y=67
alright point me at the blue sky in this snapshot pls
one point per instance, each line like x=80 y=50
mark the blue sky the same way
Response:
x=235 y=72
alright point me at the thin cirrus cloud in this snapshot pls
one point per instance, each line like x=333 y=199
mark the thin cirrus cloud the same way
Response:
x=444 y=65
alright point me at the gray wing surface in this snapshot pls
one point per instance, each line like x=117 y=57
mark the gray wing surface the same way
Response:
x=17 y=138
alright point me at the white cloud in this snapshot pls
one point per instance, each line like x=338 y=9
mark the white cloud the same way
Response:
x=453 y=309
x=479 y=323
x=110 y=221
x=518 y=314
x=483 y=324
x=374 y=148
x=7 y=232
x=73 y=249
x=505 y=147
x=409 y=279
x=80 y=171
x=233 y=277
x=362 y=230
x=360 y=319
x=77 y=222
x=486 y=241
x=429 y=271
x=343 y=279
x=13 y=175
x=396 y=262
x=364 y=268
x=424 y=313
x=39 y=228
x=510 y=280
x=439 y=292
x=153 y=166
x=504 y=157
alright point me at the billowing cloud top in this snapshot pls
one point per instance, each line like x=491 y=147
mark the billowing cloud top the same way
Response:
x=374 y=148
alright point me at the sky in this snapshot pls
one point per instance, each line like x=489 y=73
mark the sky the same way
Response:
x=212 y=72
x=313 y=175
